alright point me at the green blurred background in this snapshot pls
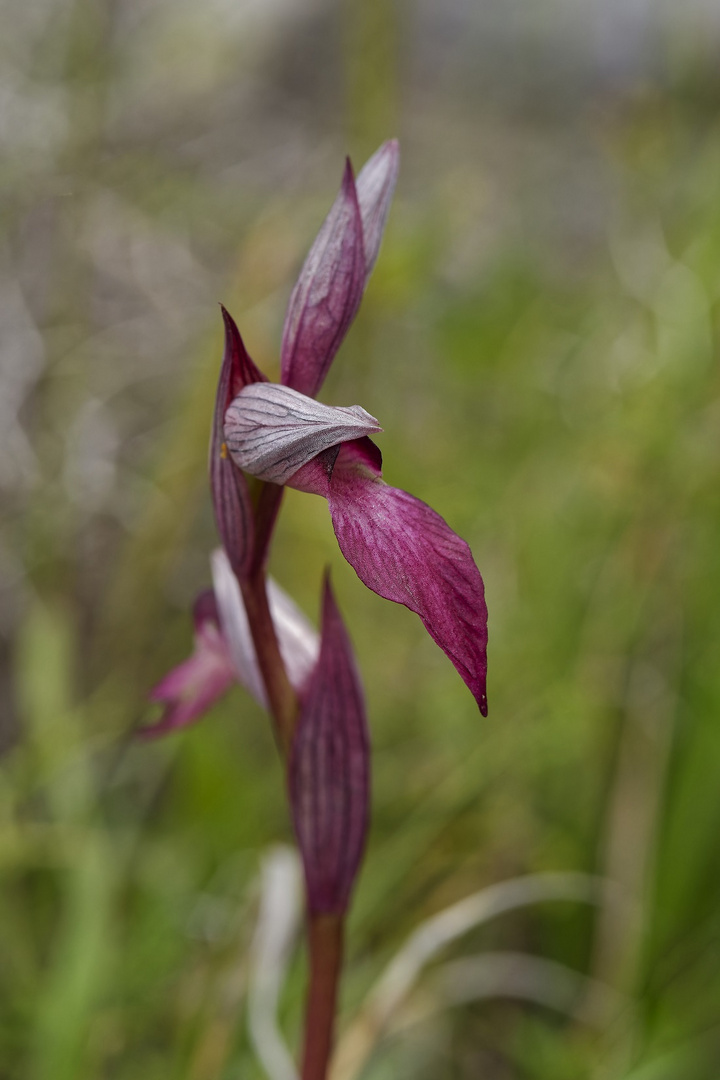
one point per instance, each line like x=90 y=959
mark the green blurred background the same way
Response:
x=539 y=341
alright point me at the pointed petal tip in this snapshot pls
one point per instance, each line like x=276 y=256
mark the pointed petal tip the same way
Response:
x=375 y=186
x=329 y=607
x=231 y=327
x=390 y=149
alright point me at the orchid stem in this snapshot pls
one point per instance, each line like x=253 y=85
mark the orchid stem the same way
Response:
x=325 y=932
x=325 y=947
x=281 y=696
x=266 y=512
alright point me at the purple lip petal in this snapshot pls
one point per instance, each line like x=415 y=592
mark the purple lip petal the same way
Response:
x=329 y=773
x=297 y=639
x=375 y=185
x=192 y=687
x=327 y=294
x=231 y=499
x=404 y=551
x=271 y=431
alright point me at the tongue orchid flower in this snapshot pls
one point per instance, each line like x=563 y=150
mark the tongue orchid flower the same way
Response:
x=398 y=546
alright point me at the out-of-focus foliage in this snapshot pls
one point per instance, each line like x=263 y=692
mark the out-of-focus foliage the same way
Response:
x=539 y=342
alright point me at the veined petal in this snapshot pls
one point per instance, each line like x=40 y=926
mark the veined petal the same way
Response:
x=327 y=294
x=271 y=431
x=192 y=687
x=329 y=772
x=404 y=551
x=375 y=186
x=297 y=639
x=231 y=499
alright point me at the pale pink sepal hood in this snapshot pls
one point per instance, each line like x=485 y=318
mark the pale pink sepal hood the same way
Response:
x=329 y=769
x=404 y=551
x=271 y=431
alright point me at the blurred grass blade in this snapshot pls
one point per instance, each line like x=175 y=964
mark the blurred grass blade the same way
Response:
x=435 y=934
x=516 y=975
x=63 y=1033
x=275 y=936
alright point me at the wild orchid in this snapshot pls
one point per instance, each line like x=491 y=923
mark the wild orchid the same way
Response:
x=268 y=436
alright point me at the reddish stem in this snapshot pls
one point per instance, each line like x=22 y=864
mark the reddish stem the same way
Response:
x=325 y=947
x=325 y=932
x=266 y=512
x=281 y=696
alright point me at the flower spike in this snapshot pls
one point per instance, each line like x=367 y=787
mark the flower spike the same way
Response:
x=327 y=294
x=329 y=772
x=271 y=431
x=230 y=495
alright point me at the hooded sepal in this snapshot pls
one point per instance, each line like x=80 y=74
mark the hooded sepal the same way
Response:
x=228 y=486
x=329 y=770
x=271 y=431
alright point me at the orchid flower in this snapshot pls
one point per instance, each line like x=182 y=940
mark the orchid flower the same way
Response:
x=398 y=546
x=224 y=652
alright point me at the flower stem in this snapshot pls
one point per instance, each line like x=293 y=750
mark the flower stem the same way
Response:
x=281 y=696
x=266 y=512
x=325 y=946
